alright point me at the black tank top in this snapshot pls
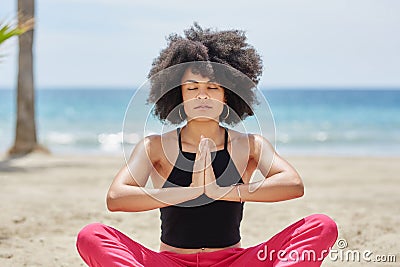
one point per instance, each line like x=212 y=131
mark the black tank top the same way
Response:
x=202 y=222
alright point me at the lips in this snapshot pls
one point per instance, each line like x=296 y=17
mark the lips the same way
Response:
x=203 y=107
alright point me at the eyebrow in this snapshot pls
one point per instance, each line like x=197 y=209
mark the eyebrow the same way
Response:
x=194 y=81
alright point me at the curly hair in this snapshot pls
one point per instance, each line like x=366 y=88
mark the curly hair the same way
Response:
x=228 y=48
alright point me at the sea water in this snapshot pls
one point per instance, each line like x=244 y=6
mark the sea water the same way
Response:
x=345 y=121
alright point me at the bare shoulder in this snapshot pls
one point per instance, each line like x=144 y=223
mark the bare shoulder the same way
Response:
x=156 y=144
x=256 y=142
x=241 y=141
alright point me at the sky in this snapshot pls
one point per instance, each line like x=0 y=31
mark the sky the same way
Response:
x=303 y=43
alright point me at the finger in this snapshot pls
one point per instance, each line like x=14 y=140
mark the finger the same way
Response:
x=208 y=155
x=199 y=164
x=203 y=151
x=200 y=149
x=200 y=158
x=208 y=160
x=202 y=142
x=209 y=165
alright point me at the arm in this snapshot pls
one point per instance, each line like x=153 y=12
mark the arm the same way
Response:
x=128 y=193
x=282 y=182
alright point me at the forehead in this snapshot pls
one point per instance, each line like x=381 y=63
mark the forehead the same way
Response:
x=190 y=76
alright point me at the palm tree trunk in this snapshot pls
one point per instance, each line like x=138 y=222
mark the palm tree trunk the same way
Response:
x=25 y=137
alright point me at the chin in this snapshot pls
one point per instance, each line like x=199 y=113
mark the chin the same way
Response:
x=204 y=119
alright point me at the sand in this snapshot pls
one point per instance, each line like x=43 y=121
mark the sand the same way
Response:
x=46 y=200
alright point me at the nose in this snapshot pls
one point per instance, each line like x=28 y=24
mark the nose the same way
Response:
x=203 y=93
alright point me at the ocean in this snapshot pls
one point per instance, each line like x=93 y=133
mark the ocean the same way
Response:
x=339 y=122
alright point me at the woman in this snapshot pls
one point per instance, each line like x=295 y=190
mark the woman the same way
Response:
x=200 y=183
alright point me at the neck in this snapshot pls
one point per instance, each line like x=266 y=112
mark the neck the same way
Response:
x=209 y=129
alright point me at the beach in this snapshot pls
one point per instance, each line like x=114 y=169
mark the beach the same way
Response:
x=319 y=82
x=47 y=199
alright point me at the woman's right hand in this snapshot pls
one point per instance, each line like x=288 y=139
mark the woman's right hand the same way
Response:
x=199 y=167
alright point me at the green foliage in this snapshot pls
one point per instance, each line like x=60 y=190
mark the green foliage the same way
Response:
x=8 y=30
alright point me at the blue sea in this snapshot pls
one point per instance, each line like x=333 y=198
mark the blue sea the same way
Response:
x=340 y=122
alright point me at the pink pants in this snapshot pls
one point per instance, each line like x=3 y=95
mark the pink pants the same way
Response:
x=304 y=243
